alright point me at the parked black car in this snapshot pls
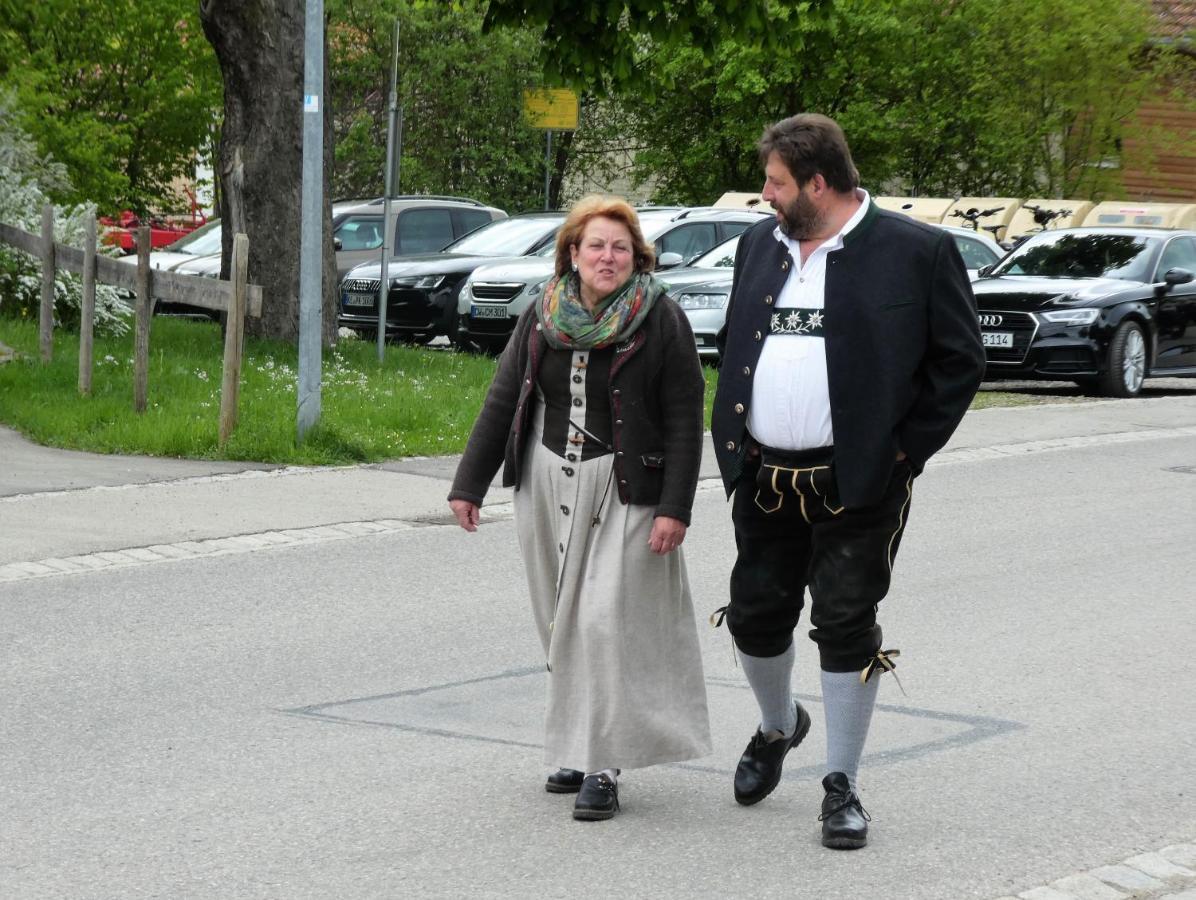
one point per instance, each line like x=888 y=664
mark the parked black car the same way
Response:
x=1104 y=307
x=421 y=302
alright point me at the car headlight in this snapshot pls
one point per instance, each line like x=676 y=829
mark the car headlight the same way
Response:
x=1084 y=316
x=536 y=288
x=421 y=282
x=702 y=301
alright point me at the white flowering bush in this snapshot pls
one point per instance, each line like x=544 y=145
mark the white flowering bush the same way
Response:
x=25 y=181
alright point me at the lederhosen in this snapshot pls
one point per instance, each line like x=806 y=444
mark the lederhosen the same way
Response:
x=793 y=533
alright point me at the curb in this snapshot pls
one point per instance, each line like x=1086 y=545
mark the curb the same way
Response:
x=1166 y=873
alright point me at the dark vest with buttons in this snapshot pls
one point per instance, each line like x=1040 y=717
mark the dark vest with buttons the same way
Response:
x=656 y=392
x=903 y=350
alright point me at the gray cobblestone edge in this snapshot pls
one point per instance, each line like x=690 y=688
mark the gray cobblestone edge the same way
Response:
x=224 y=546
x=248 y=543
x=1165 y=874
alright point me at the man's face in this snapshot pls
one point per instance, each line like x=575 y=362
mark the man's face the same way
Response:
x=798 y=215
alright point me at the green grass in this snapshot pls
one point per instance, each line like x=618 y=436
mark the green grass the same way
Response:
x=417 y=402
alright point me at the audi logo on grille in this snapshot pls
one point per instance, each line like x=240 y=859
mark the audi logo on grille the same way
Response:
x=990 y=320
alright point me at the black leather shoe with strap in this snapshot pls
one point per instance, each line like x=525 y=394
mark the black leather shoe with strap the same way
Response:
x=759 y=769
x=598 y=798
x=564 y=781
x=844 y=820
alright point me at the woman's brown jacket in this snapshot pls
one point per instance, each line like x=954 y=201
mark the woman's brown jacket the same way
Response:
x=656 y=400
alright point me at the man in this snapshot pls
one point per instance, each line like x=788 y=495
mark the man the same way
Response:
x=850 y=353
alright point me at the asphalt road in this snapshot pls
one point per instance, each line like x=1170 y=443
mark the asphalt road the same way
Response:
x=225 y=682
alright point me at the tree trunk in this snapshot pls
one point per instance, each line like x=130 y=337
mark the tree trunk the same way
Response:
x=259 y=44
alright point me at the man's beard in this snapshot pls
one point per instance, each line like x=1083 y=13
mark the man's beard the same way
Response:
x=800 y=220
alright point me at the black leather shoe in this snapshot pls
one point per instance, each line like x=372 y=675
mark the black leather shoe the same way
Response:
x=564 y=781
x=759 y=769
x=844 y=820
x=598 y=798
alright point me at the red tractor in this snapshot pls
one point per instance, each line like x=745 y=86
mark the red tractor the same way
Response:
x=122 y=230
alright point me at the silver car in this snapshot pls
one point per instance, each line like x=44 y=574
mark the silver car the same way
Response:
x=705 y=299
x=495 y=295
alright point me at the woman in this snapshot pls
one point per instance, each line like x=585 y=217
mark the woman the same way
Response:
x=597 y=411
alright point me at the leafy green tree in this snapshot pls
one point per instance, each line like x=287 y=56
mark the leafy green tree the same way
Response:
x=589 y=44
x=936 y=97
x=1018 y=98
x=122 y=93
x=462 y=97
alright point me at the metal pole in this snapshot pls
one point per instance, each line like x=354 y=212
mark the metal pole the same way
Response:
x=547 y=169
x=311 y=245
x=391 y=149
x=399 y=148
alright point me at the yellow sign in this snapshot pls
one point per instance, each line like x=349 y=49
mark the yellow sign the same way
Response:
x=555 y=110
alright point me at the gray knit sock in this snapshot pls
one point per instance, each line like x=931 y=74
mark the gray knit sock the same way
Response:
x=771 y=678
x=848 y=705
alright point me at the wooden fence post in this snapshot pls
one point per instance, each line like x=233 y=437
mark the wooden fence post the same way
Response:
x=88 y=311
x=234 y=338
x=46 y=318
x=144 y=309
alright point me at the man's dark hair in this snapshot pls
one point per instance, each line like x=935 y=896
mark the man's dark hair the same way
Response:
x=810 y=144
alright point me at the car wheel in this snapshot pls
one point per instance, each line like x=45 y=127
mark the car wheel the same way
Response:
x=1126 y=362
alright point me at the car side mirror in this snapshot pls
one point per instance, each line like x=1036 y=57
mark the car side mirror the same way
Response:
x=669 y=260
x=336 y=243
x=1171 y=278
x=984 y=270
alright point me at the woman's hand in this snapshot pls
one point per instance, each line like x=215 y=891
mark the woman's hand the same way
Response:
x=667 y=535
x=467 y=514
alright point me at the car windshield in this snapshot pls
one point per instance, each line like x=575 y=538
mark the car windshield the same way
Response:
x=1124 y=256
x=505 y=237
x=200 y=242
x=975 y=253
x=721 y=257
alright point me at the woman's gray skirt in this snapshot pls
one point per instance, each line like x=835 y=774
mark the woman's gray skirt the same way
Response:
x=625 y=684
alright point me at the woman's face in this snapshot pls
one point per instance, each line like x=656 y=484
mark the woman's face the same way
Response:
x=604 y=258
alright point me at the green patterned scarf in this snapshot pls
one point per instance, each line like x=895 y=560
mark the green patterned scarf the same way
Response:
x=569 y=325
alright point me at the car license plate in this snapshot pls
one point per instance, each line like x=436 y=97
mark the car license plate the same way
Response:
x=997 y=338
x=359 y=299
x=488 y=312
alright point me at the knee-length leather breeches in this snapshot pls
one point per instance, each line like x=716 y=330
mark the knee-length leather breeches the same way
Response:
x=792 y=534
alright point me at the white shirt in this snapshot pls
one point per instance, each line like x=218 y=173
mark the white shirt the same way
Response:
x=791 y=406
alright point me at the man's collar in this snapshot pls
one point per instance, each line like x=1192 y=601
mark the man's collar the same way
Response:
x=835 y=241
